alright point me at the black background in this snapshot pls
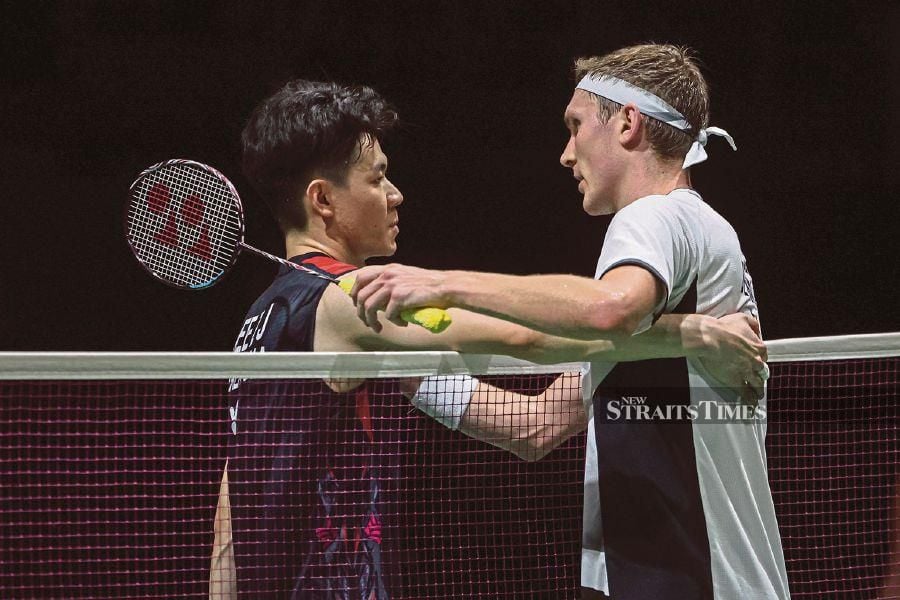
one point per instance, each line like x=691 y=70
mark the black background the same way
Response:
x=93 y=92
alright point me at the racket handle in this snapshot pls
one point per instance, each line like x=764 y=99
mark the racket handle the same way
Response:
x=434 y=320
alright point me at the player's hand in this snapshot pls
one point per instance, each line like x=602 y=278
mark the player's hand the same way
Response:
x=737 y=355
x=393 y=289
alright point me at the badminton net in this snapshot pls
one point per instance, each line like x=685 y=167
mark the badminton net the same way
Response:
x=110 y=470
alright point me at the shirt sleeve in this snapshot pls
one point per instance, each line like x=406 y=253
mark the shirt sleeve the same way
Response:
x=645 y=234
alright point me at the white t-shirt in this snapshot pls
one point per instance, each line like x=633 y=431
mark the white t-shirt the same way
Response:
x=695 y=253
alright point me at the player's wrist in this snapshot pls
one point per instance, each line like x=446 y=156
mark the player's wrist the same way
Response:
x=700 y=335
x=445 y=398
x=452 y=289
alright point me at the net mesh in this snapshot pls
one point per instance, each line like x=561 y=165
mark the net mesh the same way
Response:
x=833 y=457
x=110 y=489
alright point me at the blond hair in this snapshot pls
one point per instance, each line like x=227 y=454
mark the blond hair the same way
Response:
x=667 y=71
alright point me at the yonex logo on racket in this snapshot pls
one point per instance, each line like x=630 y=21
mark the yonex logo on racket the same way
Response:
x=192 y=209
x=184 y=223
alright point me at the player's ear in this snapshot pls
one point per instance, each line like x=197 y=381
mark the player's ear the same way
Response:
x=317 y=194
x=630 y=125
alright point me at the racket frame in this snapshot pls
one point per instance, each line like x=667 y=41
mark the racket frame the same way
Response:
x=239 y=221
x=240 y=244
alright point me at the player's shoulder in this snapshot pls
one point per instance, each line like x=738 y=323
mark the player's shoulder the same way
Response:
x=677 y=201
x=292 y=291
x=338 y=327
x=290 y=282
x=317 y=275
x=686 y=207
x=656 y=211
x=711 y=221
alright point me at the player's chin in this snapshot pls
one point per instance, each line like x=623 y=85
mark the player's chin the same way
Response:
x=390 y=248
x=589 y=207
x=596 y=208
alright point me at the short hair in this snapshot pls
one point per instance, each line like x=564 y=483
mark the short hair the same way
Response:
x=309 y=129
x=671 y=73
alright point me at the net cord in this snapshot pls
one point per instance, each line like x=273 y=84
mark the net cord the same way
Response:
x=216 y=365
x=262 y=365
x=838 y=347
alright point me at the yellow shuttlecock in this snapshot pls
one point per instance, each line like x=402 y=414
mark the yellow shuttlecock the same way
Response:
x=434 y=320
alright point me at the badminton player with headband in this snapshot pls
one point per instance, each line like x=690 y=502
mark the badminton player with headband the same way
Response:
x=677 y=509
x=313 y=152
x=650 y=105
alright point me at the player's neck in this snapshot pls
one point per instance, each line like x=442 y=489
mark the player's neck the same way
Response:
x=298 y=243
x=653 y=177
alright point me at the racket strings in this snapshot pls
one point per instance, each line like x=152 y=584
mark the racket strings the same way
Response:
x=184 y=224
x=162 y=233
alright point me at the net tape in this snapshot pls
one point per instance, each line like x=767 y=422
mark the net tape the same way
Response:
x=217 y=365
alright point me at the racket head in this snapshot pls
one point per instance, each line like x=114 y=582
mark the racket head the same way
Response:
x=184 y=223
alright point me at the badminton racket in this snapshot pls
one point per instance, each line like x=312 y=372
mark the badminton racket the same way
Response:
x=185 y=226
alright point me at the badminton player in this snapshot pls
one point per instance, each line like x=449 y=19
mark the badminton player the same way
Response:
x=685 y=507
x=313 y=152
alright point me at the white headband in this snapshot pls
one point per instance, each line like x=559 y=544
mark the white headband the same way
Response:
x=653 y=106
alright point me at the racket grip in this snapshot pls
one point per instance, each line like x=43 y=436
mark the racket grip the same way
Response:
x=434 y=320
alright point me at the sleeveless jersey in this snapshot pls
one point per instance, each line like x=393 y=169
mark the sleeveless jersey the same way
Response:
x=307 y=484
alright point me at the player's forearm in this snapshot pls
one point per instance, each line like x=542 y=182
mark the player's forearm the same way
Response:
x=528 y=426
x=542 y=348
x=672 y=336
x=563 y=305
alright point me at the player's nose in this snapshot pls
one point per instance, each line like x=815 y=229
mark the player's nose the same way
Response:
x=567 y=158
x=395 y=198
